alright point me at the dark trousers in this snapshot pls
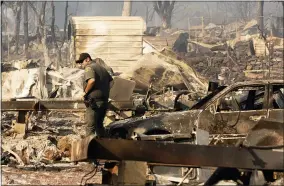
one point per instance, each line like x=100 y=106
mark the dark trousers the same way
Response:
x=94 y=119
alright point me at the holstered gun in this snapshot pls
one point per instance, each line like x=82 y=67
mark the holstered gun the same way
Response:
x=86 y=100
x=90 y=102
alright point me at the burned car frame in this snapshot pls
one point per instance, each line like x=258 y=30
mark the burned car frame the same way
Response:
x=228 y=113
x=250 y=102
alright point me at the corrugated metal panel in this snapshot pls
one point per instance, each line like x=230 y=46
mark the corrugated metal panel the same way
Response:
x=106 y=32
x=109 y=38
x=110 y=25
x=115 y=39
x=112 y=44
x=110 y=50
x=123 y=65
x=108 y=58
x=159 y=42
x=78 y=19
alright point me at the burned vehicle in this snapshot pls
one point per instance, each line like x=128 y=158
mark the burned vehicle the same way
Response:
x=228 y=110
x=223 y=117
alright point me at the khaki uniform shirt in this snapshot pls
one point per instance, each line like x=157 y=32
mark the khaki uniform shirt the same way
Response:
x=101 y=88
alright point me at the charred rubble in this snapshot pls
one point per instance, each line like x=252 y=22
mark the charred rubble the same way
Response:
x=168 y=79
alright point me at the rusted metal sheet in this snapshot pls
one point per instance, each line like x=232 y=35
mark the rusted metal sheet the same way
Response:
x=122 y=89
x=51 y=104
x=177 y=154
x=58 y=104
x=7 y=105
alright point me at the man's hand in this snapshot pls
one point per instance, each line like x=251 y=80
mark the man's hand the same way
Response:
x=82 y=96
x=86 y=101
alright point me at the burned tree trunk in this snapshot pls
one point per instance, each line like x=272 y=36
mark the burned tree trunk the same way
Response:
x=26 y=31
x=165 y=11
x=17 y=26
x=126 y=11
x=44 y=34
x=65 y=22
x=149 y=16
x=77 y=8
x=54 y=36
x=64 y=34
x=38 y=22
x=260 y=16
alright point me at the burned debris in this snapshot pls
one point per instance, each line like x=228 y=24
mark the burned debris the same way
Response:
x=211 y=84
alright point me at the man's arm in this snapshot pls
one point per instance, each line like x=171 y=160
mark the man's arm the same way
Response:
x=111 y=83
x=90 y=84
x=90 y=80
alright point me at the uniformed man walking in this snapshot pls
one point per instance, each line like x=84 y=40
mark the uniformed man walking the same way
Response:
x=97 y=82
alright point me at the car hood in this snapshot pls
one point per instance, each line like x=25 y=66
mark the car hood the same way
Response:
x=172 y=122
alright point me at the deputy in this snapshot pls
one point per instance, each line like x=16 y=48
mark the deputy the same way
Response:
x=97 y=82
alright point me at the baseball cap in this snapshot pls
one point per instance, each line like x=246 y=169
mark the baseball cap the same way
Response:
x=82 y=57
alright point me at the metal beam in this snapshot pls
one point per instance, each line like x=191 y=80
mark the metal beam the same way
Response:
x=177 y=154
x=57 y=104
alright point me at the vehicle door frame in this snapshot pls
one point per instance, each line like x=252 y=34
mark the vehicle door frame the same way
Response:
x=231 y=88
x=270 y=98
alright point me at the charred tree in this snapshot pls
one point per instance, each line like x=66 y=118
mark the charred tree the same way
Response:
x=127 y=6
x=17 y=12
x=149 y=15
x=65 y=30
x=54 y=36
x=26 y=30
x=77 y=8
x=260 y=16
x=65 y=22
x=165 y=11
x=38 y=35
x=44 y=34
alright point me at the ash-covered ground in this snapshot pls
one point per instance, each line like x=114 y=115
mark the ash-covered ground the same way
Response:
x=43 y=157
